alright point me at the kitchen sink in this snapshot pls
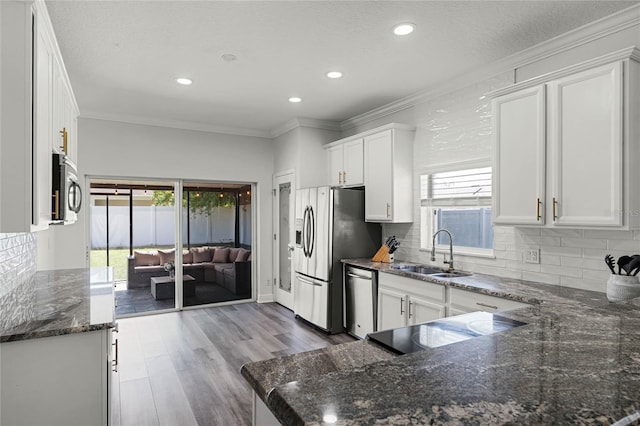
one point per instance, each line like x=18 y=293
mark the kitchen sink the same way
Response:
x=430 y=271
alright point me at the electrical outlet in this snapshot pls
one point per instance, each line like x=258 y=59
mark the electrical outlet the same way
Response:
x=532 y=255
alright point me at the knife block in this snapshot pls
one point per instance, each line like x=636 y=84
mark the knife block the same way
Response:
x=383 y=255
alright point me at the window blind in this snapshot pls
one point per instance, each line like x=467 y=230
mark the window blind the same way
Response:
x=469 y=184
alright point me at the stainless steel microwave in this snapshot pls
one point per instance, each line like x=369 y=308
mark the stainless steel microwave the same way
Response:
x=66 y=192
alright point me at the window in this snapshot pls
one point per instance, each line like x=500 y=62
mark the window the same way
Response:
x=459 y=201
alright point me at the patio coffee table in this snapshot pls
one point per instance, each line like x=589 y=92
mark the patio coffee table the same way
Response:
x=165 y=287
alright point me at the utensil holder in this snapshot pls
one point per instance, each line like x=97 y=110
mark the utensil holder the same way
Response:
x=622 y=287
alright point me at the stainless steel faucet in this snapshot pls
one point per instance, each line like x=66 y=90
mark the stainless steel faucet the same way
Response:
x=433 y=248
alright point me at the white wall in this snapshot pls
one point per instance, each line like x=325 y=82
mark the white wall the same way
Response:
x=301 y=149
x=116 y=149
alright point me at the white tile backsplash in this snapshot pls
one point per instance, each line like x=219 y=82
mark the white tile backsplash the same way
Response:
x=17 y=278
x=456 y=127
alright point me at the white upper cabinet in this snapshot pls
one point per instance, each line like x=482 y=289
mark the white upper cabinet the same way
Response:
x=381 y=159
x=38 y=109
x=346 y=163
x=388 y=176
x=566 y=147
x=585 y=135
x=519 y=127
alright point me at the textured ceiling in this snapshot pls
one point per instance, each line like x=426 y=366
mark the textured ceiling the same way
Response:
x=122 y=56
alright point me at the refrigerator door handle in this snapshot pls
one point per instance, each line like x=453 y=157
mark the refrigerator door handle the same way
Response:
x=304 y=232
x=308 y=231
x=306 y=281
x=313 y=231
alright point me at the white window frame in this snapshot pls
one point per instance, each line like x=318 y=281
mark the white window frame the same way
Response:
x=427 y=226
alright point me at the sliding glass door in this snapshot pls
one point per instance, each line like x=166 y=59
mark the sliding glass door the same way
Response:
x=216 y=230
x=133 y=229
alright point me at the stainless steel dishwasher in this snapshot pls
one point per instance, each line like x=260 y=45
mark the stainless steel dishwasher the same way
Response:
x=361 y=301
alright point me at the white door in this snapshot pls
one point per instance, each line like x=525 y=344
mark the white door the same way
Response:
x=519 y=172
x=421 y=310
x=391 y=309
x=335 y=165
x=586 y=147
x=283 y=244
x=353 y=173
x=378 y=171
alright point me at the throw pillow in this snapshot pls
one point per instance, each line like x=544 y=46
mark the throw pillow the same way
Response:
x=141 y=258
x=201 y=254
x=233 y=253
x=243 y=255
x=187 y=257
x=221 y=255
x=167 y=256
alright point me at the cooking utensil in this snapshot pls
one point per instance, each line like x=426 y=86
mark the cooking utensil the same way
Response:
x=634 y=264
x=611 y=263
x=622 y=262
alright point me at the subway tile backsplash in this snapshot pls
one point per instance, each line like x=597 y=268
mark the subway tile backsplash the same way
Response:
x=457 y=127
x=17 y=278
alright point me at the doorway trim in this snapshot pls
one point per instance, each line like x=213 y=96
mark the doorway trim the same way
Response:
x=283 y=297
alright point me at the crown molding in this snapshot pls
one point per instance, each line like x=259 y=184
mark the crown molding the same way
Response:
x=619 y=55
x=177 y=124
x=587 y=33
x=297 y=122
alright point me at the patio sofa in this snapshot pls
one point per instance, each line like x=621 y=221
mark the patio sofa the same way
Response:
x=227 y=267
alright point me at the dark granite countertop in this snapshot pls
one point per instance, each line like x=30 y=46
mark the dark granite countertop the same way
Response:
x=576 y=362
x=67 y=301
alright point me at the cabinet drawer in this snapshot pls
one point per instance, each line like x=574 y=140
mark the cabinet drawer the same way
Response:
x=422 y=289
x=469 y=301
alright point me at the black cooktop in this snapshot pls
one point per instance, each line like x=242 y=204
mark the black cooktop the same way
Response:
x=414 y=338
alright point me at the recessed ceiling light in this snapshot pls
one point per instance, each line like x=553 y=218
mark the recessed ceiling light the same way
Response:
x=295 y=99
x=184 y=81
x=403 y=29
x=229 y=57
x=334 y=74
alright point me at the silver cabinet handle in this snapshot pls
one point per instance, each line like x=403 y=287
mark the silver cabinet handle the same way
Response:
x=410 y=303
x=486 y=306
x=401 y=306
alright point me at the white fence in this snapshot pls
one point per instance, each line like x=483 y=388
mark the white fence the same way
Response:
x=155 y=226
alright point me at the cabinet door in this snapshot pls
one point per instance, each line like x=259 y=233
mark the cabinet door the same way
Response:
x=421 y=310
x=378 y=150
x=43 y=129
x=586 y=148
x=391 y=309
x=336 y=166
x=59 y=380
x=353 y=172
x=519 y=172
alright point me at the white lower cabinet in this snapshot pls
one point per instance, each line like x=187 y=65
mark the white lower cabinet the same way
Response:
x=462 y=302
x=262 y=416
x=404 y=301
x=59 y=380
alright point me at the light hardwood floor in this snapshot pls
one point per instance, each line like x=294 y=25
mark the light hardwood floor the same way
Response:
x=183 y=368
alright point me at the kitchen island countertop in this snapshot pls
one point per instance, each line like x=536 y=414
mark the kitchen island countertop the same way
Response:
x=577 y=361
x=67 y=301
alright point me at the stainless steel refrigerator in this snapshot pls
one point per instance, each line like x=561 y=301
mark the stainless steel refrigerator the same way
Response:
x=329 y=226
